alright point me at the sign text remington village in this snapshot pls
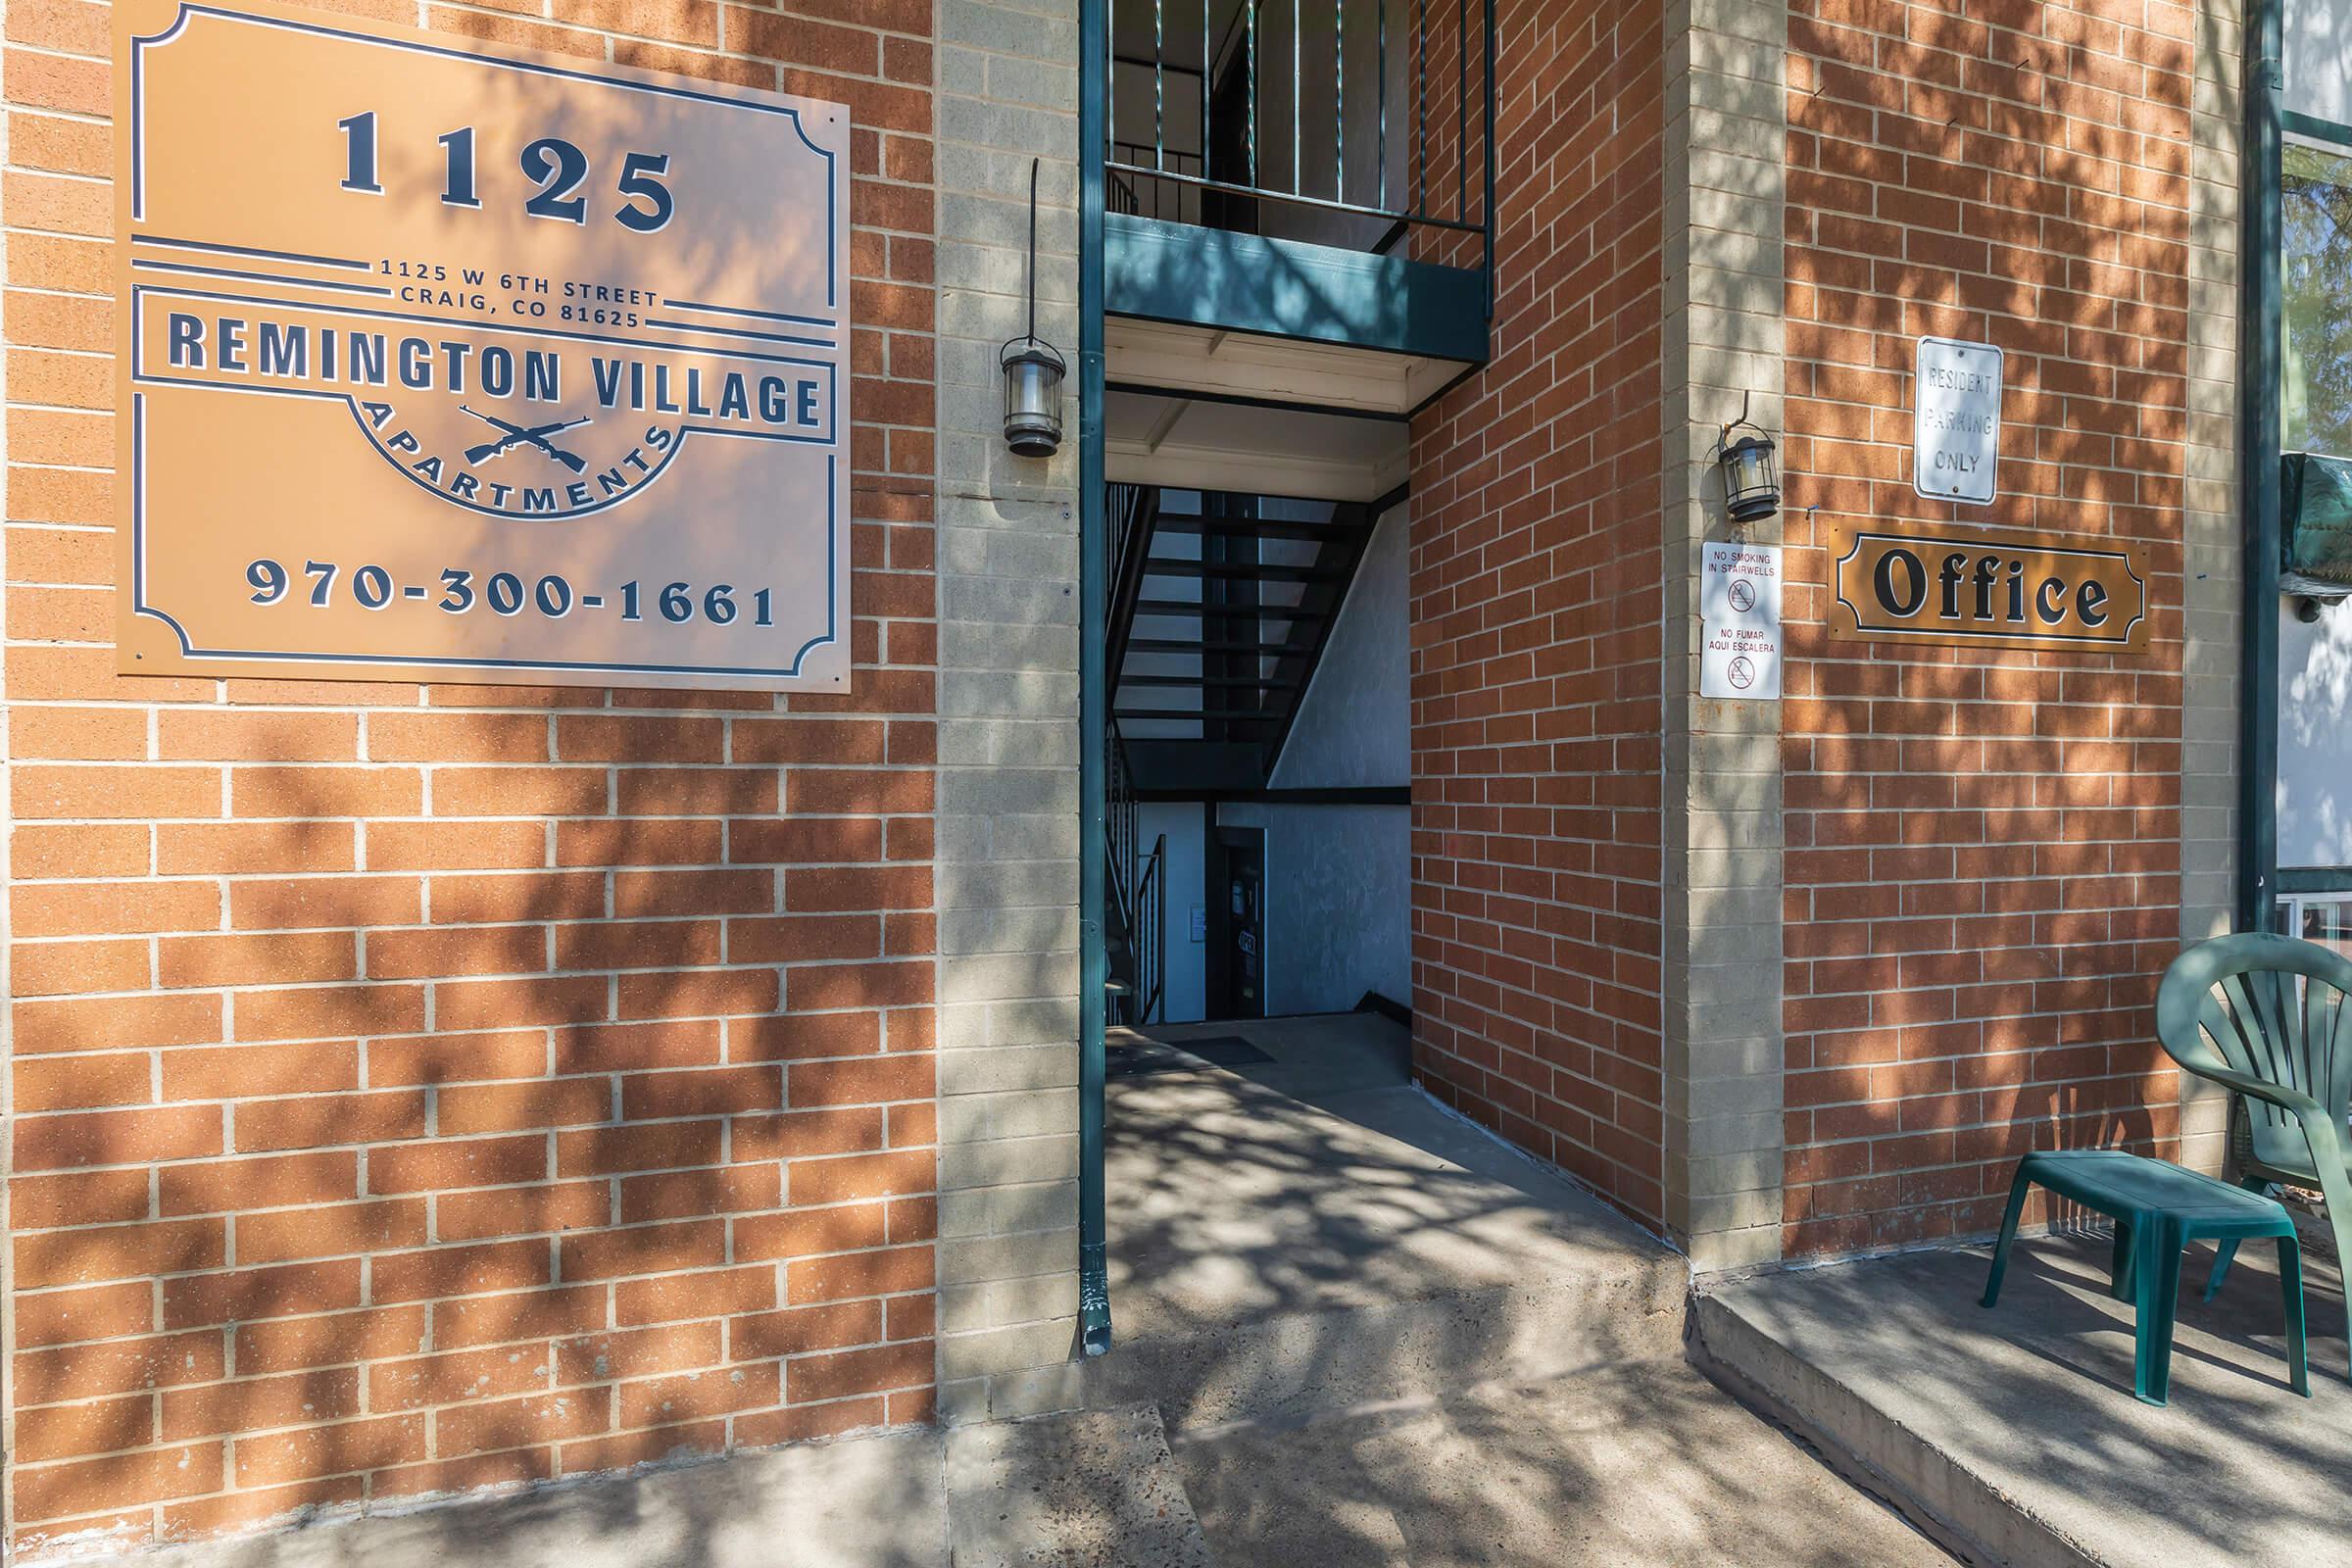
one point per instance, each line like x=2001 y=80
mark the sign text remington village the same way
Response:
x=357 y=361
x=498 y=366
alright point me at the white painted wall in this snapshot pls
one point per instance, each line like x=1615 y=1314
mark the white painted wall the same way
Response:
x=1185 y=972
x=2315 y=736
x=1354 y=729
x=1339 y=903
x=1338 y=882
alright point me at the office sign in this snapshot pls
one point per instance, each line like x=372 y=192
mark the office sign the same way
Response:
x=1740 y=622
x=449 y=362
x=1956 y=434
x=1924 y=583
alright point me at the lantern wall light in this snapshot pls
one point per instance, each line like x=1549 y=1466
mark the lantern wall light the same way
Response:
x=1752 y=471
x=1033 y=370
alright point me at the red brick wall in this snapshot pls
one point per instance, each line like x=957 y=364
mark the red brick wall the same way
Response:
x=1982 y=863
x=423 y=1087
x=1537 y=645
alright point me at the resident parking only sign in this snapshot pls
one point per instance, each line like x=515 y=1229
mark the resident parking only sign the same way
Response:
x=442 y=361
x=1957 y=446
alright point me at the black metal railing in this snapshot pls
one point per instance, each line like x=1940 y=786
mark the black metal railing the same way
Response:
x=1150 y=926
x=1131 y=510
x=1152 y=198
x=1343 y=121
x=1137 y=896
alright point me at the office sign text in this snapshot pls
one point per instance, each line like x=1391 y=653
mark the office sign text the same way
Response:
x=1922 y=583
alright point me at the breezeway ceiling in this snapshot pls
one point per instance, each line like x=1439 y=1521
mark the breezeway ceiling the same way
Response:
x=1194 y=443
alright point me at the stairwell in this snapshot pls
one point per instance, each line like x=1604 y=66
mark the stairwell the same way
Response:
x=1221 y=608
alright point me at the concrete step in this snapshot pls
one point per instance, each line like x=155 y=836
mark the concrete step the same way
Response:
x=1645 y=1463
x=1290 y=1365
x=1272 y=1257
x=2013 y=1432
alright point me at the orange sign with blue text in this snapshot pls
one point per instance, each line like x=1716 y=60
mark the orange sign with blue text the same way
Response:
x=446 y=361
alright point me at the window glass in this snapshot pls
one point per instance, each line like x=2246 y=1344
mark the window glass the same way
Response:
x=2328 y=922
x=2316 y=362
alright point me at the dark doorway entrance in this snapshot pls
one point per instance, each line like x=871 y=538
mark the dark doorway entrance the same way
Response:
x=1237 y=934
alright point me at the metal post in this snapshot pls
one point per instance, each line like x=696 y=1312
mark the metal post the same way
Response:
x=1253 y=6
x=2259 y=437
x=1094 y=974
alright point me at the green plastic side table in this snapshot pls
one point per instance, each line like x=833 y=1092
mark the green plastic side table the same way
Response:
x=2158 y=1209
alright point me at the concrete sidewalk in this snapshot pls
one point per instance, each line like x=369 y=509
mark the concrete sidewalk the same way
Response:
x=1380 y=1336
x=1354 y=1331
x=1063 y=1491
x=2016 y=1428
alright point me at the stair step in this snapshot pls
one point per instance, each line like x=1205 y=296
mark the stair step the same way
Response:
x=1288 y=1367
x=1257 y=570
x=1249 y=527
x=1194 y=607
x=1218 y=682
x=1178 y=645
x=1221 y=716
x=1644 y=1463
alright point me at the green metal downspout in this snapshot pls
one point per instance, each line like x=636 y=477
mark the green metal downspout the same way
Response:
x=1093 y=972
x=2259 y=437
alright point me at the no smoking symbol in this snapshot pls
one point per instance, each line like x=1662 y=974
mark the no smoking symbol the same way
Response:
x=1742 y=672
x=1742 y=595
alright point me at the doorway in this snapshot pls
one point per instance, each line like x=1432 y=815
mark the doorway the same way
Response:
x=1237 y=935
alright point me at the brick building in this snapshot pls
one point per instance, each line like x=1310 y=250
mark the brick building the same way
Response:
x=417 y=1086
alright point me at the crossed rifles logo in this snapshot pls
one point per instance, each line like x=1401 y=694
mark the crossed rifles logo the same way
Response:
x=511 y=436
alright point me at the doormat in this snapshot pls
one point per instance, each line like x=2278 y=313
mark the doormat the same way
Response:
x=1181 y=1055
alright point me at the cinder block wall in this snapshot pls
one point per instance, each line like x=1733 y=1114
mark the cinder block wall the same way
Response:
x=1984 y=849
x=1536 y=560
x=1009 y=724
x=422 y=1087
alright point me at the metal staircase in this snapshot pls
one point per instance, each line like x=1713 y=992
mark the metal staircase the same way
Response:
x=1221 y=606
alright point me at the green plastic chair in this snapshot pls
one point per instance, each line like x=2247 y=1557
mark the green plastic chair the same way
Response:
x=2271 y=1017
